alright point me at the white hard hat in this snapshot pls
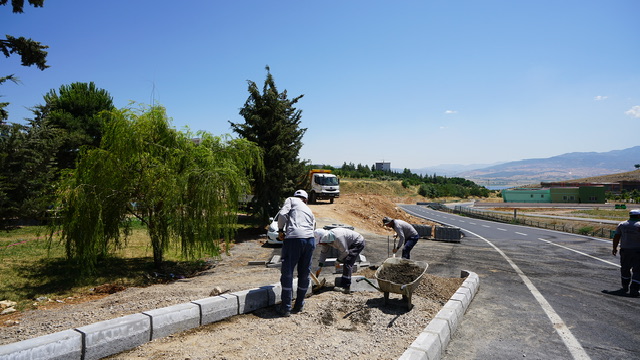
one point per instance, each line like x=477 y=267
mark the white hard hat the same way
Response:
x=318 y=234
x=634 y=212
x=301 y=193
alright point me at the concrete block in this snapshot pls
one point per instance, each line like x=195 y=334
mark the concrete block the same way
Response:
x=429 y=343
x=252 y=299
x=173 y=319
x=450 y=315
x=441 y=328
x=274 y=292
x=216 y=308
x=414 y=354
x=57 y=346
x=463 y=295
x=110 y=337
x=472 y=281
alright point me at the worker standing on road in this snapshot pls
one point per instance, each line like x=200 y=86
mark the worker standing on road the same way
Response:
x=349 y=245
x=295 y=229
x=628 y=236
x=407 y=235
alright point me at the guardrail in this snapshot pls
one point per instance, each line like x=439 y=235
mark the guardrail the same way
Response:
x=522 y=220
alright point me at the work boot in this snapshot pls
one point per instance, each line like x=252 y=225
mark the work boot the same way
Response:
x=635 y=290
x=343 y=290
x=297 y=309
x=283 y=311
x=622 y=291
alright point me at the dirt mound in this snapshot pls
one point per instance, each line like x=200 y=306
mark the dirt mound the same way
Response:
x=365 y=212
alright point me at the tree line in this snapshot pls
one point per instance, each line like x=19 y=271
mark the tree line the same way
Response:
x=430 y=186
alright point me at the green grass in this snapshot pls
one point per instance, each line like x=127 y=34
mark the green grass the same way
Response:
x=32 y=267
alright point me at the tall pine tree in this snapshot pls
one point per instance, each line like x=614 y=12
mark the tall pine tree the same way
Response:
x=272 y=122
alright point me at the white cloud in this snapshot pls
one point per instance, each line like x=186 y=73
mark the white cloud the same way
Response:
x=634 y=111
x=451 y=112
x=600 y=98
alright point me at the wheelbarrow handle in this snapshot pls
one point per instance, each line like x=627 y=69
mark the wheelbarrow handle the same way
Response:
x=369 y=282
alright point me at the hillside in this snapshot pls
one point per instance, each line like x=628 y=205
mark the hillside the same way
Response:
x=625 y=176
x=570 y=166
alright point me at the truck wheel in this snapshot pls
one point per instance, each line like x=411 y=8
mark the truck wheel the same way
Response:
x=312 y=198
x=331 y=201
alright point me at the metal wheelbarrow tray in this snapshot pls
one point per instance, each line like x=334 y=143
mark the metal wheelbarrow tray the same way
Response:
x=412 y=271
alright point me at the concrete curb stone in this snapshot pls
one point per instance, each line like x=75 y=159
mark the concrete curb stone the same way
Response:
x=432 y=342
x=113 y=336
x=61 y=345
x=172 y=319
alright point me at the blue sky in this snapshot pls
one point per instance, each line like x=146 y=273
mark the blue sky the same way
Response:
x=413 y=83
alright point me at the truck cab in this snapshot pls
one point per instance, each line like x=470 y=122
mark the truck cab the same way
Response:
x=323 y=186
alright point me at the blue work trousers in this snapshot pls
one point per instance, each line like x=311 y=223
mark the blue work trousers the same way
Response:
x=630 y=263
x=408 y=245
x=296 y=252
x=348 y=262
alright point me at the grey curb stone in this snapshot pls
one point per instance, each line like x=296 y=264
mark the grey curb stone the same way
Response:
x=216 y=308
x=274 y=291
x=432 y=342
x=110 y=337
x=62 y=345
x=113 y=336
x=252 y=299
x=172 y=319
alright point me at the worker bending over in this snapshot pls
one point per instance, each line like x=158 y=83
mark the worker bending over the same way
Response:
x=349 y=245
x=407 y=235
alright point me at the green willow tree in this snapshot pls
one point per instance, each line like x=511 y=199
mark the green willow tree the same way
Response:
x=186 y=193
x=272 y=122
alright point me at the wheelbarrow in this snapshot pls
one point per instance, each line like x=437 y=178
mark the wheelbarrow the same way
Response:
x=399 y=276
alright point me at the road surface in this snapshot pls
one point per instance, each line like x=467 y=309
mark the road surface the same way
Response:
x=540 y=292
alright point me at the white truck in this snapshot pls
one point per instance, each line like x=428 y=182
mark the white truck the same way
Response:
x=323 y=185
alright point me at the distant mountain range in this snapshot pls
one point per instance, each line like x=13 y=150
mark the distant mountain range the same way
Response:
x=568 y=166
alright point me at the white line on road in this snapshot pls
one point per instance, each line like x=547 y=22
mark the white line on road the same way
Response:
x=574 y=346
x=579 y=252
x=519 y=233
x=501 y=229
x=487 y=226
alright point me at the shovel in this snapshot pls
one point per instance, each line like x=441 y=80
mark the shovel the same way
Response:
x=319 y=284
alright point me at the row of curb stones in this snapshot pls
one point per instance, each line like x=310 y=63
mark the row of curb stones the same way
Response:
x=113 y=336
x=433 y=340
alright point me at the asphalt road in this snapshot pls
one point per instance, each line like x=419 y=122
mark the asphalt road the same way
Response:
x=540 y=293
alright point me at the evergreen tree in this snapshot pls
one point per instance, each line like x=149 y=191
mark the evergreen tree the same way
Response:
x=27 y=163
x=272 y=122
x=76 y=109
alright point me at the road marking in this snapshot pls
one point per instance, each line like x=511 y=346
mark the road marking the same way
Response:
x=501 y=229
x=572 y=344
x=472 y=223
x=579 y=252
x=519 y=233
x=487 y=226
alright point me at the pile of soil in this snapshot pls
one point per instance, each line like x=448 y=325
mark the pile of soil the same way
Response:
x=402 y=273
